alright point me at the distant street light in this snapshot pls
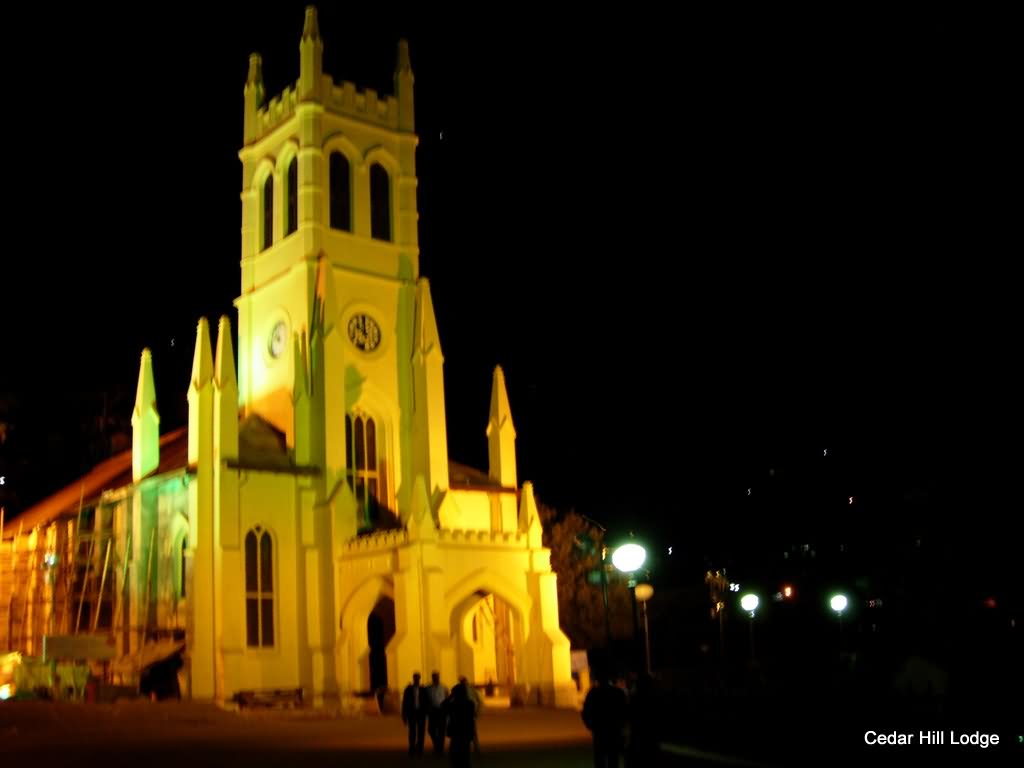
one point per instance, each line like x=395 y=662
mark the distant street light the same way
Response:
x=645 y=592
x=749 y=603
x=838 y=603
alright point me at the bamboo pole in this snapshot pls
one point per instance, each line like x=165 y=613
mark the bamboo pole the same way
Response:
x=103 y=583
x=26 y=634
x=149 y=584
x=85 y=581
x=70 y=564
x=13 y=587
x=124 y=582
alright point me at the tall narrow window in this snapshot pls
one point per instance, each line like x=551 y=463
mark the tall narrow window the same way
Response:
x=341 y=192
x=268 y=212
x=366 y=468
x=259 y=589
x=293 y=197
x=380 y=203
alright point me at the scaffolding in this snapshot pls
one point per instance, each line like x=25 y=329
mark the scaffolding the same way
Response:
x=65 y=577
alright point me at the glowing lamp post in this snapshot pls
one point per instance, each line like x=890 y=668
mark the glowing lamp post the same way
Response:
x=839 y=603
x=749 y=603
x=628 y=558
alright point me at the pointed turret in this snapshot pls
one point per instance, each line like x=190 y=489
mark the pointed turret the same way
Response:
x=421 y=523
x=202 y=359
x=529 y=517
x=311 y=57
x=403 y=88
x=200 y=506
x=501 y=435
x=430 y=450
x=427 y=339
x=145 y=422
x=199 y=389
x=253 y=94
x=225 y=396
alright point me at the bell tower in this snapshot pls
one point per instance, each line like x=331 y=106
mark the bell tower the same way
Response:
x=331 y=297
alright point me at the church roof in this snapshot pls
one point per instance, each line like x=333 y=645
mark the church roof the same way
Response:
x=115 y=472
x=261 y=445
x=461 y=476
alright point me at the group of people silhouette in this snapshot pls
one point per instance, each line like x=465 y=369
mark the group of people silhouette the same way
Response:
x=435 y=710
x=623 y=723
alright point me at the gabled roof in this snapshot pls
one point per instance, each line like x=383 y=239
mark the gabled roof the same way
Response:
x=115 y=472
x=461 y=476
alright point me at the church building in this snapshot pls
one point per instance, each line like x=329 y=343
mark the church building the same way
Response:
x=307 y=529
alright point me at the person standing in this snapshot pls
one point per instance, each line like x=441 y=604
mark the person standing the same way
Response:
x=461 y=725
x=478 y=704
x=436 y=715
x=414 y=713
x=604 y=713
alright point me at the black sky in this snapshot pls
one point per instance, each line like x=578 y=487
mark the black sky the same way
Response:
x=704 y=246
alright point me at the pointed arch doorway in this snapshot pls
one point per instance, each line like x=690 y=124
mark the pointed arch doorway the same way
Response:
x=489 y=636
x=380 y=628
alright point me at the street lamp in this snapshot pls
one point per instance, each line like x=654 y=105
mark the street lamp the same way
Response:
x=749 y=603
x=838 y=603
x=628 y=558
x=645 y=592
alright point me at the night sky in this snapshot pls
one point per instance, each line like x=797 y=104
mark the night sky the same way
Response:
x=706 y=249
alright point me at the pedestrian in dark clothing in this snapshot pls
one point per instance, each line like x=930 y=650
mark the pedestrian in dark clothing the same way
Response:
x=461 y=726
x=437 y=694
x=474 y=697
x=604 y=712
x=414 y=713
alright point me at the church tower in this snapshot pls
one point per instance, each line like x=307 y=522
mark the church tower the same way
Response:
x=337 y=341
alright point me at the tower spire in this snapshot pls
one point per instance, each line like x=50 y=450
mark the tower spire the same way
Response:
x=225 y=396
x=311 y=28
x=501 y=434
x=202 y=359
x=253 y=94
x=403 y=87
x=145 y=422
x=311 y=57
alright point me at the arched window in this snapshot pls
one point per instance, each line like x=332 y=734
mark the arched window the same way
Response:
x=259 y=589
x=366 y=468
x=380 y=203
x=341 y=192
x=293 y=197
x=268 y=212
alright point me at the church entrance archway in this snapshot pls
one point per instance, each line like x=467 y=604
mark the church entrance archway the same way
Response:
x=380 y=628
x=488 y=634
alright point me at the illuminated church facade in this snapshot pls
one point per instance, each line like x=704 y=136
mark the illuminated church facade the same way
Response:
x=308 y=529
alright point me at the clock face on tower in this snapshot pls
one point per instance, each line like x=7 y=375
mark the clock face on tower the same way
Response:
x=364 y=333
x=278 y=338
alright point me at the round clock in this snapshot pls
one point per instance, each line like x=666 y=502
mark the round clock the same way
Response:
x=278 y=338
x=364 y=333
